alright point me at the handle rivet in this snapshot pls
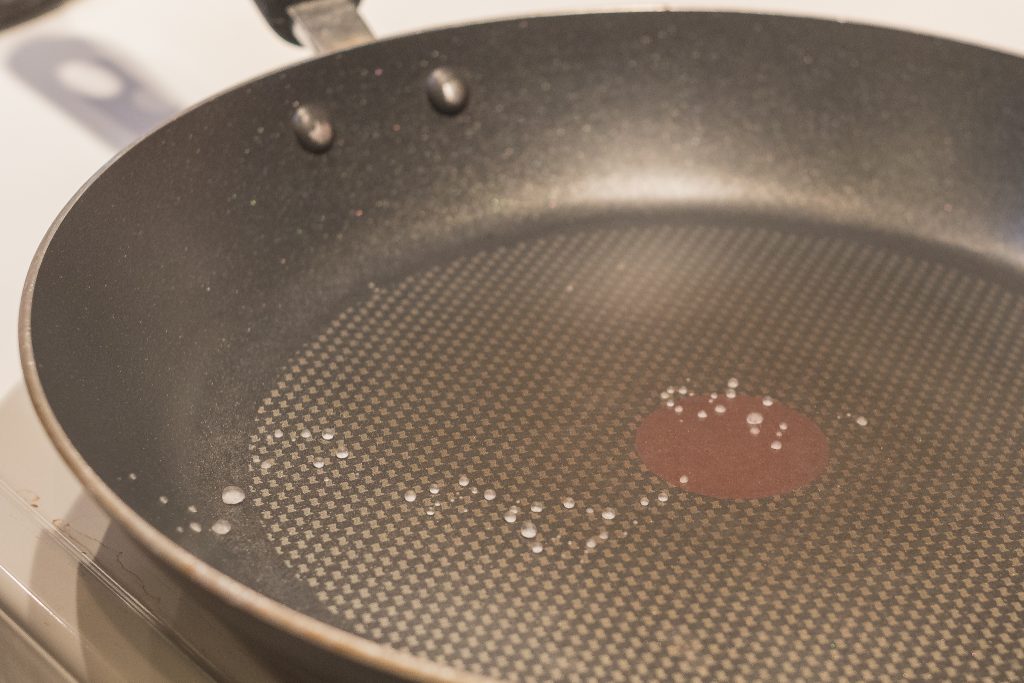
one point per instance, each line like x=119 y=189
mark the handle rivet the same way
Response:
x=446 y=91
x=313 y=128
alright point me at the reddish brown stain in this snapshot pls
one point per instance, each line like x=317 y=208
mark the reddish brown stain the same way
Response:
x=720 y=457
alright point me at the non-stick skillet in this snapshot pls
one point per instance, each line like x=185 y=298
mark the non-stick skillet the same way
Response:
x=644 y=346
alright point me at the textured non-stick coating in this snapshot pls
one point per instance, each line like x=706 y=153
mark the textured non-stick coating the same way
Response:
x=829 y=213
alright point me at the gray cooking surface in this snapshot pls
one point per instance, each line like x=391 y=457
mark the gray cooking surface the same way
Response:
x=525 y=369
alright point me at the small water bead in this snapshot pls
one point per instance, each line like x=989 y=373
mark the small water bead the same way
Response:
x=220 y=527
x=267 y=464
x=528 y=530
x=783 y=426
x=568 y=503
x=133 y=476
x=714 y=395
x=767 y=402
x=684 y=479
x=463 y=480
x=489 y=494
x=179 y=529
x=670 y=404
x=410 y=495
x=536 y=507
x=778 y=433
x=862 y=421
x=342 y=454
x=278 y=433
x=327 y=435
x=591 y=542
x=305 y=433
x=603 y=535
x=645 y=501
x=702 y=414
x=776 y=445
x=730 y=393
x=679 y=410
x=318 y=462
x=754 y=431
x=191 y=508
x=511 y=515
x=720 y=409
x=733 y=383
x=663 y=496
x=590 y=511
x=232 y=495
x=608 y=513
x=474 y=490
x=665 y=395
x=434 y=488
x=430 y=512
x=163 y=500
x=195 y=526
x=537 y=548
x=755 y=418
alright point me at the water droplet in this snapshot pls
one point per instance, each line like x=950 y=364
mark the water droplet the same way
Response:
x=608 y=513
x=714 y=395
x=682 y=391
x=754 y=431
x=528 y=530
x=430 y=512
x=590 y=511
x=192 y=509
x=318 y=462
x=305 y=433
x=568 y=503
x=510 y=516
x=701 y=414
x=463 y=480
x=755 y=418
x=220 y=527
x=862 y=421
x=684 y=479
x=278 y=433
x=410 y=495
x=679 y=410
x=536 y=507
x=603 y=535
x=733 y=383
x=179 y=529
x=776 y=445
x=489 y=494
x=434 y=488
x=327 y=434
x=662 y=497
x=537 y=548
x=730 y=393
x=474 y=490
x=783 y=426
x=591 y=542
x=195 y=526
x=232 y=495
x=163 y=500
x=767 y=401
x=342 y=453
x=133 y=476
x=670 y=404
x=267 y=464
x=720 y=409
x=665 y=395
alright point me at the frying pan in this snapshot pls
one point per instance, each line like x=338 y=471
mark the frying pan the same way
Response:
x=453 y=353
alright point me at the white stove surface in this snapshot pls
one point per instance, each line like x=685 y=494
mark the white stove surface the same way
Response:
x=78 y=600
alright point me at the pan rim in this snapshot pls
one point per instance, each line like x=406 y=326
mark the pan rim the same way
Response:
x=239 y=596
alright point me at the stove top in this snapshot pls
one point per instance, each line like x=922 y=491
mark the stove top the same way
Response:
x=78 y=598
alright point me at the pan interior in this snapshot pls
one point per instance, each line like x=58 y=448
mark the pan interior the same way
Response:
x=448 y=465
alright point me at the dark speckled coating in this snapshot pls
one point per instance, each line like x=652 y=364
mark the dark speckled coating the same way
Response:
x=185 y=276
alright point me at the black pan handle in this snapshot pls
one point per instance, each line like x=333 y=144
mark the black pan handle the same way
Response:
x=326 y=25
x=276 y=14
